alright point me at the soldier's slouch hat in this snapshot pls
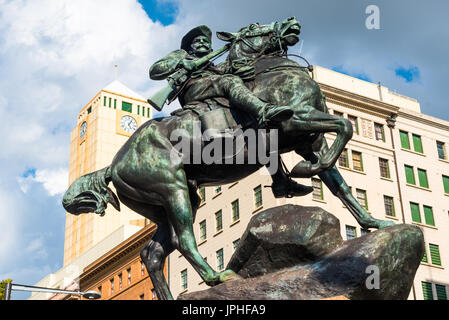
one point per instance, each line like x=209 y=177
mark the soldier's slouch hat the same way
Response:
x=198 y=31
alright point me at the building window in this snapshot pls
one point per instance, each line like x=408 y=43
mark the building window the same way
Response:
x=104 y=101
x=235 y=210
x=351 y=232
x=417 y=144
x=142 y=268
x=99 y=290
x=446 y=184
x=153 y=294
x=428 y=216
x=258 y=196
x=441 y=292
x=424 y=258
x=389 y=206
x=355 y=125
x=110 y=102
x=435 y=254
x=235 y=244
x=384 y=168
x=427 y=290
x=416 y=214
x=379 y=131
x=317 y=185
x=217 y=189
x=129 y=275
x=184 y=279
x=422 y=178
x=148 y=112
x=338 y=114
x=364 y=231
x=220 y=259
x=441 y=148
x=409 y=175
x=362 y=198
x=218 y=221
x=405 y=142
x=89 y=110
x=143 y=111
x=120 y=282
x=112 y=286
x=128 y=107
x=138 y=110
x=115 y=103
x=357 y=162
x=142 y=297
x=343 y=160
x=203 y=234
x=202 y=192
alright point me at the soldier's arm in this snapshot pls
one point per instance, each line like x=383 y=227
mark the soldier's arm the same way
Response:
x=166 y=66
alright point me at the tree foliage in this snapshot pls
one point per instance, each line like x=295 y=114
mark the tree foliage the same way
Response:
x=2 y=288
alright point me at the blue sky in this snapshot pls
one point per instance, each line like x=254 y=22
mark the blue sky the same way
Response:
x=56 y=55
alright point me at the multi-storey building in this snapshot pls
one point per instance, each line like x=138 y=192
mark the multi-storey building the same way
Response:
x=103 y=126
x=396 y=164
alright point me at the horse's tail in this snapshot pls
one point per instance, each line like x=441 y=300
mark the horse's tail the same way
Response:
x=90 y=193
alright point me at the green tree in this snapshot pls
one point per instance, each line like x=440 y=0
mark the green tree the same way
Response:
x=2 y=288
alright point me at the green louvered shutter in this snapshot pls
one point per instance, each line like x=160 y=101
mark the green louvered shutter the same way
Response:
x=428 y=216
x=405 y=142
x=441 y=292
x=417 y=144
x=414 y=208
x=446 y=184
x=427 y=290
x=435 y=254
x=422 y=177
x=409 y=175
x=424 y=258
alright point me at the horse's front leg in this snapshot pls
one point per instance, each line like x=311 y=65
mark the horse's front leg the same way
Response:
x=179 y=211
x=337 y=185
x=318 y=122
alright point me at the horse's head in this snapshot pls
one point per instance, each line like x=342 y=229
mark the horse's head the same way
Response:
x=254 y=40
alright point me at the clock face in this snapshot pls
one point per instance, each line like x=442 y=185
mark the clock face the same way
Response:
x=128 y=124
x=83 y=129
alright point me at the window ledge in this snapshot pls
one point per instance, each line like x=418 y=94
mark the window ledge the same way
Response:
x=443 y=160
x=392 y=218
x=414 y=152
x=351 y=170
x=387 y=179
x=218 y=232
x=216 y=195
x=233 y=184
x=257 y=209
x=424 y=225
x=418 y=187
x=184 y=291
x=432 y=265
x=446 y=194
x=235 y=222
x=202 y=241
x=202 y=204
x=319 y=200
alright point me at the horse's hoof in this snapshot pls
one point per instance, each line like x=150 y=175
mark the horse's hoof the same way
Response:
x=229 y=275
x=302 y=170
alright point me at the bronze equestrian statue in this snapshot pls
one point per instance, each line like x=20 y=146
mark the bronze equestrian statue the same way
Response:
x=151 y=181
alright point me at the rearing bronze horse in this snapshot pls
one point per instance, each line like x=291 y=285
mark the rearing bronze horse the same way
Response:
x=151 y=181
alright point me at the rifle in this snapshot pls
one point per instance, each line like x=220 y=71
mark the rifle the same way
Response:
x=158 y=99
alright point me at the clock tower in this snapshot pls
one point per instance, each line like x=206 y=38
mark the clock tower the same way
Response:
x=103 y=126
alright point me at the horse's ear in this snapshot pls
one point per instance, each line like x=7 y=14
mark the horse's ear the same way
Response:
x=226 y=36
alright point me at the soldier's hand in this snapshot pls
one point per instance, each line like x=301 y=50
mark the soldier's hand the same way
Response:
x=187 y=64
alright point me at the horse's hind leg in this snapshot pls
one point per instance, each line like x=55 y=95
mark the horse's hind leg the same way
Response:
x=179 y=211
x=153 y=256
x=337 y=185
